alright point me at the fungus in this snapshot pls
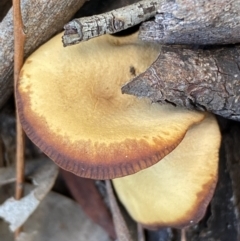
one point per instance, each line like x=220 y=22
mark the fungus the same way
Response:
x=71 y=106
x=177 y=190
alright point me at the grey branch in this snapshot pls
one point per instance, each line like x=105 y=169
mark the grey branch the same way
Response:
x=42 y=19
x=83 y=29
x=194 y=22
x=195 y=79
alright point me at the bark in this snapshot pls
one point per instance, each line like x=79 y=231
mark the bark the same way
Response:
x=195 y=79
x=111 y=22
x=42 y=19
x=194 y=22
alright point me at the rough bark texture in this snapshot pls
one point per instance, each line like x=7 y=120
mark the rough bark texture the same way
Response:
x=111 y=22
x=42 y=19
x=195 y=79
x=194 y=22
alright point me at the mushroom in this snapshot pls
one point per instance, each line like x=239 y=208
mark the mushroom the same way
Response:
x=177 y=190
x=71 y=106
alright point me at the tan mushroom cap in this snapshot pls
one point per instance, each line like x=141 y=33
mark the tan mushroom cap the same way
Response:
x=175 y=192
x=71 y=106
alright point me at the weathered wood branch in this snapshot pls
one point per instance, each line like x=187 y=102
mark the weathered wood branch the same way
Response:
x=195 y=79
x=42 y=20
x=114 y=21
x=194 y=22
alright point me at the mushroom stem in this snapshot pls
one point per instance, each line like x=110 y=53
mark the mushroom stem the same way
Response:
x=83 y=29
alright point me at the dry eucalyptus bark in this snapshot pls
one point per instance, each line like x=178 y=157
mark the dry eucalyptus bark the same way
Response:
x=114 y=21
x=42 y=19
x=194 y=22
x=195 y=79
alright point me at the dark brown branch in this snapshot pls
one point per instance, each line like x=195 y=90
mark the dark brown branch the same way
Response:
x=194 y=22
x=42 y=19
x=83 y=29
x=195 y=79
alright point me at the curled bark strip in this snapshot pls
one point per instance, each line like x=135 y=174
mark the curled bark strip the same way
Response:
x=83 y=29
x=194 y=22
x=195 y=79
x=42 y=19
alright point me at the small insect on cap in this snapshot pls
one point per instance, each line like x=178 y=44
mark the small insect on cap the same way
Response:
x=176 y=191
x=71 y=106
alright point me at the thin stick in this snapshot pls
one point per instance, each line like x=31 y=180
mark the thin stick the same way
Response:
x=183 y=235
x=140 y=230
x=121 y=228
x=83 y=29
x=19 y=40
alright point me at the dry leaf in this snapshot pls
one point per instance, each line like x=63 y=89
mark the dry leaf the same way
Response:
x=16 y=212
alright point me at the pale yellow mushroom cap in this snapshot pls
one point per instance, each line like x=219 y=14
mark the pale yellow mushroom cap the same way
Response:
x=176 y=191
x=71 y=106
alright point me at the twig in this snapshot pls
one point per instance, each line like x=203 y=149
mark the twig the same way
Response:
x=118 y=220
x=183 y=235
x=19 y=40
x=141 y=236
x=195 y=79
x=83 y=29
